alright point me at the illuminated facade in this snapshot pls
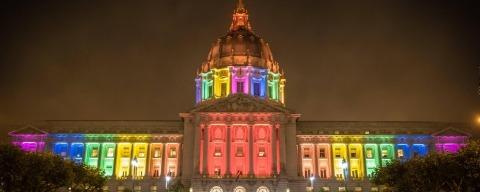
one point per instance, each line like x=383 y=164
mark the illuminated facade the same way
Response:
x=239 y=137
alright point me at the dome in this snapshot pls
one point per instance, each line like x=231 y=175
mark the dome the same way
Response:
x=240 y=47
x=240 y=62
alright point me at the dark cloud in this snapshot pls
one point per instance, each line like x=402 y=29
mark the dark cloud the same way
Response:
x=344 y=60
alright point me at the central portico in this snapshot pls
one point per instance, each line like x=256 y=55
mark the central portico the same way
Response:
x=241 y=143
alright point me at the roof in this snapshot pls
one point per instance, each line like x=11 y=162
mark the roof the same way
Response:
x=376 y=127
x=28 y=130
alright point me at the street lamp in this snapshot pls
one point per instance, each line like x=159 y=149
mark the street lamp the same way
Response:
x=167 y=179
x=311 y=182
x=134 y=165
x=345 y=172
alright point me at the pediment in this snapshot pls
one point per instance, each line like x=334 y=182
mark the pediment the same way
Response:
x=451 y=131
x=28 y=130
x=240 y=103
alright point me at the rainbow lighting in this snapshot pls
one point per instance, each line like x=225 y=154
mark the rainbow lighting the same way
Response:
x=239 y=136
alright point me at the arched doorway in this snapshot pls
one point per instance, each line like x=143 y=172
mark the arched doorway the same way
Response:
x=263 y=189
x=239 y=189
x=216 y=189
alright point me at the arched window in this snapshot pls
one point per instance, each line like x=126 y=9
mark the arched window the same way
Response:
x=216 y=189
x=239 y=189
x=263 y=189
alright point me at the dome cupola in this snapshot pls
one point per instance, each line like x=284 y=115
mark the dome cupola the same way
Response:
x=240 y=62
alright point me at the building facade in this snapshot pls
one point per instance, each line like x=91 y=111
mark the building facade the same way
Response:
x=239 y=136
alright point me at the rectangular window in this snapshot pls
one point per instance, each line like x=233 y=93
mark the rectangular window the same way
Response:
x=400 y=153
x=323 y=173
x=110 y=152
x=270 y=91
x=369 y=153
x=307 y=173
x=321 y=154
x=94 y=152
x=239 y=152
x=256 y=89
x=239 y=87
x=223 y=89
x=217 y=171
x=171 y=171
x=173 y=153
x=210 y=91
x=384 y=153
x=355 y=173
x=337 y=153
x=157 y=153
x=126 y=151
x=141 y=152
x=353 y=153
x=306 y=153
x=261 y=152
x=218 y=152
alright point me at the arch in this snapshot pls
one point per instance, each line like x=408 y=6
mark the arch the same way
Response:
x=239 y=189
x=263 y=189
x=216 y=189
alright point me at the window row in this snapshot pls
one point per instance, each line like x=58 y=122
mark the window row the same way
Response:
x=123 y=159
x=352 y=160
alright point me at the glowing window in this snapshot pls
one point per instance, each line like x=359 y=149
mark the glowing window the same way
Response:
x=400 y=153
x=353 y=153
x=321 y=153
x=141 y=152
x=337 y=153
x=261 y=152
x=218 y=152
x=216 y=189
x=173 y=153
x=94 y=152
x=217 y=171
x=369 y=153
x=126 y=151
x=171 y=171
x=263 y=189
x=110 y=152
x=384 y=153
x=306 y=153
x=157 y=152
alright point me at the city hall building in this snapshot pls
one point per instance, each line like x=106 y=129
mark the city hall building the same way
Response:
x=239 y=136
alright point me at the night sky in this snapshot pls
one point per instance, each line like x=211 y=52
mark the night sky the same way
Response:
x=386 y=60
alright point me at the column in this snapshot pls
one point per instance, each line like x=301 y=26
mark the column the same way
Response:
x=273 y=142
x=205 y=150
x=196 y=150
x=332 y=162
x=250 y=150
x=315 y=160
x=299 y=164
x=164 y=160
x=227 y=171
x=281 y=135
x=291 y=144
x=185 y=150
